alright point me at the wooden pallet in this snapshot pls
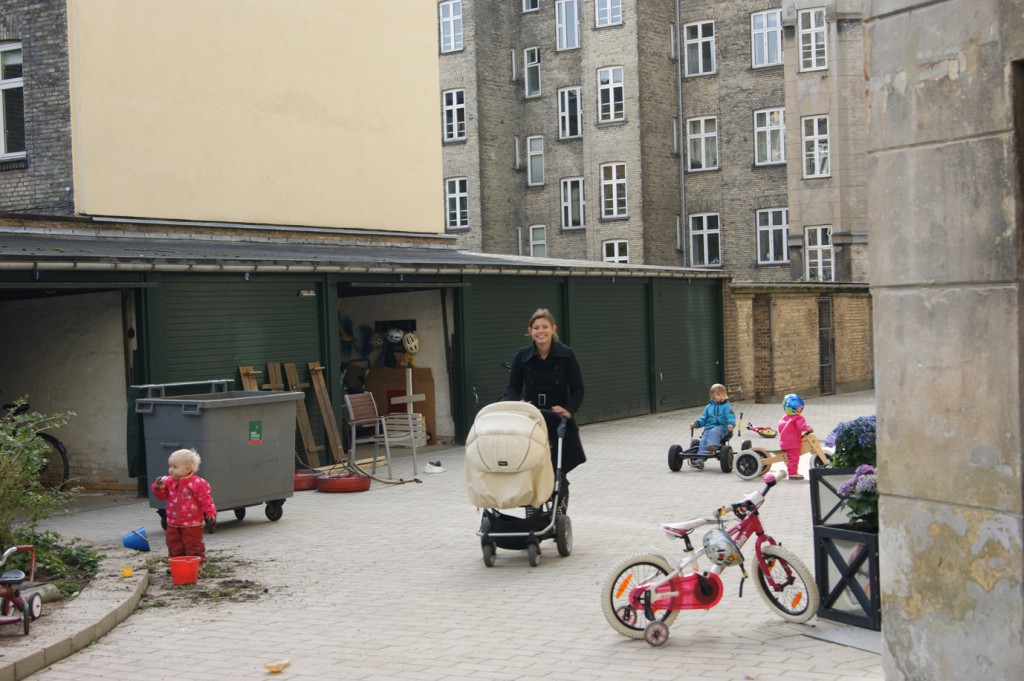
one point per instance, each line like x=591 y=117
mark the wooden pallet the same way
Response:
x=250 y=378
x=302 y=417
x=274 y=375
x=323 y=398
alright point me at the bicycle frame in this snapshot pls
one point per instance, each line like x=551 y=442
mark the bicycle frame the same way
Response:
x=687 y=587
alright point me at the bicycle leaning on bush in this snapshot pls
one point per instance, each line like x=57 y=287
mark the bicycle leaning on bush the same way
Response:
x=54 y=469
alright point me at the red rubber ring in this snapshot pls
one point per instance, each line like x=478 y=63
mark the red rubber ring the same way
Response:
x=306 y=480
x=347 y=482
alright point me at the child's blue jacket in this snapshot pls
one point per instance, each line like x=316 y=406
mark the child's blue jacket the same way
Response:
x=716 y=414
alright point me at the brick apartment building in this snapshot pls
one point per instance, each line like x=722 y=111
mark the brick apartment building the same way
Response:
x=701 y=134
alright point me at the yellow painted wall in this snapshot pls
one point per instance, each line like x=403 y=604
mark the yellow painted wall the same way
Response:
x=296 y=112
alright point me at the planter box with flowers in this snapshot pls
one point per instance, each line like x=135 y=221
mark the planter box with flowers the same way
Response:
x=844 y=511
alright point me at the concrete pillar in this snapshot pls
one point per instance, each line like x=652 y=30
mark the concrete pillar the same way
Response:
x=945 y=216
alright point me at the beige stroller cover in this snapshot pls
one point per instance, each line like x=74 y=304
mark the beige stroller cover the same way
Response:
x=508 y=458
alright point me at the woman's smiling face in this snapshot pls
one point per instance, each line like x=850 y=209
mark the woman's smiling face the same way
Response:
x=541 y=331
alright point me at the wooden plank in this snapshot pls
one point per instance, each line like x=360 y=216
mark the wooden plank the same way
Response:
x=274 y=381
x=249 y=380
x=323 y=398
x=302 y=417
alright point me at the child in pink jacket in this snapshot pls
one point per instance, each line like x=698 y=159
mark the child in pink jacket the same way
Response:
x=792 y=428
x=189 y=504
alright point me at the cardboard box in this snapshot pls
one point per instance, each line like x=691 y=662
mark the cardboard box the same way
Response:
x=386 y=384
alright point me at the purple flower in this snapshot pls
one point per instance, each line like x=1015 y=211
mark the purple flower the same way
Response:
x=866 y=484
x=846 y=489
x=864 y=469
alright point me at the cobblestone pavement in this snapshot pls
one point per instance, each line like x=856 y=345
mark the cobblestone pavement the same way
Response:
x=389 y=583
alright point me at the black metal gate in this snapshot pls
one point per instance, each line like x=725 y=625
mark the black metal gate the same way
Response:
x=826 y=348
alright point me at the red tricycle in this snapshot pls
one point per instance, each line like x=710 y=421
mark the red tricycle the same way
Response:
x=14 y=608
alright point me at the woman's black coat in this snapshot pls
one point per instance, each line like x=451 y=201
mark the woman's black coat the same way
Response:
x=553 y=382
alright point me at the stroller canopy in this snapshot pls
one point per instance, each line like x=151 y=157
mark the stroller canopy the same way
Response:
x=508 y=458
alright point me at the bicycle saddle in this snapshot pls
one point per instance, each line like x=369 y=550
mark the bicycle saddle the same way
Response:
x=684 y=528
x=12 y=577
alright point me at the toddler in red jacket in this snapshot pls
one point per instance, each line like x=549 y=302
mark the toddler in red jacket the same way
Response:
x=189 y=504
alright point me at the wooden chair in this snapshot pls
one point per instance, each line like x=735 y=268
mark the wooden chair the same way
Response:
x=367 y=426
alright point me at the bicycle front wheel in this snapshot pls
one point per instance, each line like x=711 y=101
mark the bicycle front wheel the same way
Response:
x=637 y=570
x=53 y=470
x=795 y=595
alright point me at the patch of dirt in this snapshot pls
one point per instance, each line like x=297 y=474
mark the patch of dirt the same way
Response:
x=222 y=578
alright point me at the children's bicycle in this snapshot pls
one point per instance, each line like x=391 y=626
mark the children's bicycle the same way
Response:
x=756 y=461
x=644 y=594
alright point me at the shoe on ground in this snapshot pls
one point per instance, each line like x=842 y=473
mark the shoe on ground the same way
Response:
x=796 y=476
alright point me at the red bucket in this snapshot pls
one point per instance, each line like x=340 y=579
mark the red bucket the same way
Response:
x=184 y=569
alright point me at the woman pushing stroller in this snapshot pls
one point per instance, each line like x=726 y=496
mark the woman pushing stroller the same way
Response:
x=547 y=374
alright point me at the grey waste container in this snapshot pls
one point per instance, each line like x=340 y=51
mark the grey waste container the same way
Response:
x=246 y=441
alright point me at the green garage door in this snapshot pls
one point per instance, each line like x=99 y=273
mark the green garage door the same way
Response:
x=608 y=328
x=204 y=328
x=687 y=341
x=494 y=314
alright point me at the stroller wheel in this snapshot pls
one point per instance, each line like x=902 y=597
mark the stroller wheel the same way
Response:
x=563 y=535
x=488 y=551
x=533 y=550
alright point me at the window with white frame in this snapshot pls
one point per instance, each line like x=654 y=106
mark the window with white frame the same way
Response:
x=538 y=241
x=454 y=115
x=702 y=143
x=456 y=194
x=766 y=38
x=616 y=251
x=531 y=62
x=815 y=137
x=570 y=115
x=535 y=160
x=772 y=235
x=567 y=24
x=609 y=12
x=450 y=16
x=12 y=102
x=613 y=190
x=813 y=56
x=531 y=5
x=572 y=203
x=610 y=94
x=769 y=136
x=818 y=250
x=699 y=45
x=705 y=240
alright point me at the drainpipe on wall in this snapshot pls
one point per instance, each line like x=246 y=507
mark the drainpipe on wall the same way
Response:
x=683 y=223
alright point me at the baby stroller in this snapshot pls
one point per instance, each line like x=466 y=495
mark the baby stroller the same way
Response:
x=508 y=465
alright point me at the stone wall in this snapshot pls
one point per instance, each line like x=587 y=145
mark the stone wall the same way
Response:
x=946 y=273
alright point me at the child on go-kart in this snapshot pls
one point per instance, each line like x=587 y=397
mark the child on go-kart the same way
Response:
x=717 y=420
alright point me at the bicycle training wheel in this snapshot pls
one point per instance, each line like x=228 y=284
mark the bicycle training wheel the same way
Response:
x=795 y=598
x=53 y=468
x=637 y=570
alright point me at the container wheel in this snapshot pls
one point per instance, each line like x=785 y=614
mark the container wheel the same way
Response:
x=563 y=535
x=240 y=513
x=748 y=465
x=163 y=518
x=675 y=459
x=533 y=550
x=275 y=509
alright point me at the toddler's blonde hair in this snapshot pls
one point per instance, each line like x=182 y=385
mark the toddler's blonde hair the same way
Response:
x=190 y=456
x=717 y=388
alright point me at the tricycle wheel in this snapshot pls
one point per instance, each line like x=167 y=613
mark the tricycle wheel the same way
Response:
x=725 y=459
x=675 y=459
x=533 y=551
x=275 y=509
x=34 y=605
x=240 y=513
x=25 y=619
x=748 y=465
